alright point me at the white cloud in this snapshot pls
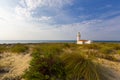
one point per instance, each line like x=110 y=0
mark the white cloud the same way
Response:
x=106 y=6
x=44 y=18
x=22 y=12
x=32 y=4
x=25 y=8
x=2 y=20
x=91 y=22
x=109 y=14
x=93 y=29
x=84 y=16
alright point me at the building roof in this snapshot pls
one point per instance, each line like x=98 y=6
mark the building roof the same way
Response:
x=83 y=40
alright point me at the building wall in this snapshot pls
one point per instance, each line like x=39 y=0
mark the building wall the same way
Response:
x=88 y=42
x=79 y=42
x=84 y=42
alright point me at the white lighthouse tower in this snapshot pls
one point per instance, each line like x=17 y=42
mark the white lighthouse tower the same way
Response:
x=78 y=36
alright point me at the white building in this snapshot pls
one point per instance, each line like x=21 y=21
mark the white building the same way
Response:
x=79 y=41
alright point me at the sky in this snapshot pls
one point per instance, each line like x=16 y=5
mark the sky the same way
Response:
x=59 y=19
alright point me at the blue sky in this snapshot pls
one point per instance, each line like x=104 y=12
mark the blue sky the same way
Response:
x=59 y=19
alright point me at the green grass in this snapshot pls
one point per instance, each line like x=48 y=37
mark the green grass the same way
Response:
x=118 y=51
x=107 y=50
x=3 y=48
x=18 y=48
x=79 y=67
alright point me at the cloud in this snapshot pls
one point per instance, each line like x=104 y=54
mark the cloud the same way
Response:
x=5 y=16
x=110 y=14
x=44 y=18
x=2 y=19
x=22 y=12
x=106 y=6
x=84 y=16
x=90 y=29
x=93 y=29
x=33 y=4
x=36 y=31
x=29 y=8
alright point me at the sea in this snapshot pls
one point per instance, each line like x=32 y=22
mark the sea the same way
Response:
x=51 y=41
x=35 y=41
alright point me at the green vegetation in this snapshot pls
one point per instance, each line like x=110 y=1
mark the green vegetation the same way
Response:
x=18 y=48
x=45 y=65
x=80 y=67
x=66 y=61
x=53 y=62
x=3 y=48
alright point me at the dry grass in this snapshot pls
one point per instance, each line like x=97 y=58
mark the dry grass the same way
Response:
x=16 y=63
x=112 y=65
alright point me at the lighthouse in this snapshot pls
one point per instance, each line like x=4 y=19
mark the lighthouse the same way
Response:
x=80 y=41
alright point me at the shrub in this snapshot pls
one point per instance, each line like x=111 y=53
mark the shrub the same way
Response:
x=118 y=52
x=45 y=49
x=45 y=66
x=66 y=45
x=19 y=48
x=81 y=67
x=107 y=50
x=2 y=48
x=110 y=57
x=116 y=46
x=91 y=46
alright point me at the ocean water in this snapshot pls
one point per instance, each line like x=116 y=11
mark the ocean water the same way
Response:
x=35 y=41
x=106 y=41
x=50 y=41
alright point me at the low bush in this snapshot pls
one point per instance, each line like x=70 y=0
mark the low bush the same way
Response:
x=107 y=50
x=3 y=48
x=91 y=46
x=116 y=46
x=45 y=67
x=18 y=48
x=81 y=67
x=66 y=45
x=118 y=51
x=110 y=57
x=54 y=49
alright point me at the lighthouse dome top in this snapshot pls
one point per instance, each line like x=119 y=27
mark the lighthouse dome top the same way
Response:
x=78 y=33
